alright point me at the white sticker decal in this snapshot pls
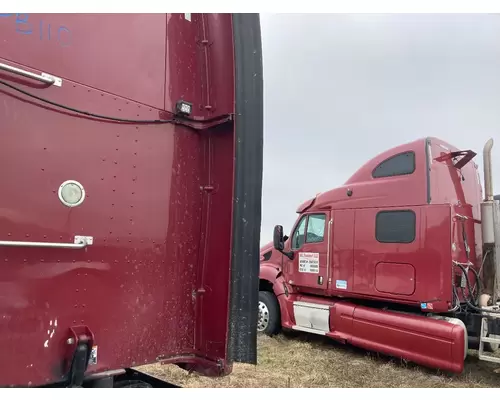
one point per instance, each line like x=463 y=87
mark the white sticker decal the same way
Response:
x=93 y=356
x=309 y=262
x=187 y=16
x=341 y=284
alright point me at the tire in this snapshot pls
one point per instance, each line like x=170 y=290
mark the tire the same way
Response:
x=269 y=315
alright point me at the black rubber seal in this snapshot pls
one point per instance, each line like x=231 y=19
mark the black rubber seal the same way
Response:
x=249 y=132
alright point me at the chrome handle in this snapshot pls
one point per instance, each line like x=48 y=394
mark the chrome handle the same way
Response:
x=80 y=243
x=45 y=78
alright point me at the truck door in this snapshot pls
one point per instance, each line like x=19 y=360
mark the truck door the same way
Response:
x=309 y=243
x=99 y=220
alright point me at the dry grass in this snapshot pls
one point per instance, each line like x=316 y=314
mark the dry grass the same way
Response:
x=302 y=360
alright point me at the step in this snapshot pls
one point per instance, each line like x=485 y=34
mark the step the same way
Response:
x=311 y=317
x=485 y=339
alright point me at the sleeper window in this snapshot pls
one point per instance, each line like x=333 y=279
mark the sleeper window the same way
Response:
x=400 y=164
x=395 y=226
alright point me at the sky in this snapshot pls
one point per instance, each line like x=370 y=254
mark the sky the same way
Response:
x=341 y=88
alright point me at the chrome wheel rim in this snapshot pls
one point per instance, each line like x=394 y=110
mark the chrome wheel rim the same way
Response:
x=263 y=320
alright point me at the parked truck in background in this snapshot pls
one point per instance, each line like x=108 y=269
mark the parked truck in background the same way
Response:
x=130 y=169
x=402 y=259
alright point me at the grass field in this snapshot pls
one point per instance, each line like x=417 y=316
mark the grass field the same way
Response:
x=303 y=360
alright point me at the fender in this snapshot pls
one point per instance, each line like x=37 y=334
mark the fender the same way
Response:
x=272 y=273
x=269 y=272
x=283 y=292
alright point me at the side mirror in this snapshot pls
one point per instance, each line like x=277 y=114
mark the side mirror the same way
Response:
x=278 y=241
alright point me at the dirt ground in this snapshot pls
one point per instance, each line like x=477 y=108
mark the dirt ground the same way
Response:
x=303 y=360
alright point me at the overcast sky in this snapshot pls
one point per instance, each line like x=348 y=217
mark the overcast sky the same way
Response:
x=339 y=89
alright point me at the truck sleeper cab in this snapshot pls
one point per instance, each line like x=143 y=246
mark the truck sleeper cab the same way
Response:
x=395 y=241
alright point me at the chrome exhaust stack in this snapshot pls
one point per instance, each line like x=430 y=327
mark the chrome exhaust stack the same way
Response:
x=488 y=179
x=487 y=206
x=490 y=228
x=490 y=220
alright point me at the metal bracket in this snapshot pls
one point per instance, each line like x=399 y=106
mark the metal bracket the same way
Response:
x=57 y=81
x=89 y=240
x=79 y=350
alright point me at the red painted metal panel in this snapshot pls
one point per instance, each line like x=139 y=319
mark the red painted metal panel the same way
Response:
x=122 y=54
x=155 y=282
x=395 y=278
x=429 y=342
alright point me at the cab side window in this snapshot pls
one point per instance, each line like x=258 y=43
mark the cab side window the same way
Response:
x=315 y=228
x=299 y=234
x=397 y=226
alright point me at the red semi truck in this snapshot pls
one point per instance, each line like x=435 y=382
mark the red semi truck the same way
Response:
x=402 y=259
x=131 y=168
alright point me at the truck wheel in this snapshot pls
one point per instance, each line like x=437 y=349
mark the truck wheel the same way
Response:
x=269 y=320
